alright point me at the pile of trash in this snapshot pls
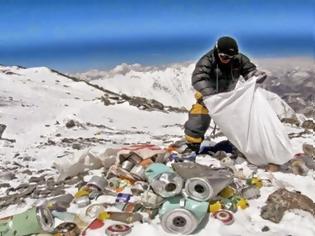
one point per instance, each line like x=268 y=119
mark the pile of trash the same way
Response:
x=143 y=183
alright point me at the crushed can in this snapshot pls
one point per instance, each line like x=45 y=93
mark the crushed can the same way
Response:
x=33 y=221
x=127 y=165
x=182 y=216
x=205 y=188
x=138 y=172
x=139 y=187
x=100 y=183
x=163 y=180
x=67 y=229
x=151 y=200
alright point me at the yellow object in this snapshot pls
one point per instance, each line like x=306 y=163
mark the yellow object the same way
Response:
x=214 y=207
x=198 y=95
x=257 y=182
x=191 y=139
x=103 y=216
x=82 y=192
x=242 y=203
x=227 y=192
x=198 y=109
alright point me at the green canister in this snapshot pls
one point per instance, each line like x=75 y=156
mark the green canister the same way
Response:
x=163 y=180
x=180 y=215
x=33 y=221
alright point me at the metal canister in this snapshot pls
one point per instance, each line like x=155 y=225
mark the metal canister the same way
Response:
x=82 y=201
x=118 y=230
x=99 y=182
x=179 y=215
x=139 y=187
x=203 y=189
x=151 y=200
x=138 y=172
x=67 y=229
x=163 y=180
x=127 y=165
x=33 y=221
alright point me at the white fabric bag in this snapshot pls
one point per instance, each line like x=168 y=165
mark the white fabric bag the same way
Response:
x=248 y=121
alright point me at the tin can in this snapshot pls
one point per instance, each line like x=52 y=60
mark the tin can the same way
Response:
x=127 y=165
x=67 y=229
x=118 y=230
x=203 y=189
x=163 y=180
x=33 y=221
x=99 y=182
x=82 y=201
x=151 y=200
x=139 y=187
x=138 y=172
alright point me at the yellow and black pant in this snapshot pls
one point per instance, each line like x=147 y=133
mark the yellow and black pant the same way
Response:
x=198 y=121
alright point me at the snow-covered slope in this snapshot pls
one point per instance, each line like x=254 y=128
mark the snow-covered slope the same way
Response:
x=50 y=116
x=170 y=85
x=36 y=103
x=293 y=79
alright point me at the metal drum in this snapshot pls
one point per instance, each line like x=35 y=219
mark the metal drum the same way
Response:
x=163 y=180
x=182 y=216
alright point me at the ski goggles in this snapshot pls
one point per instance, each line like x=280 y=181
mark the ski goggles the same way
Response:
x=225 y=56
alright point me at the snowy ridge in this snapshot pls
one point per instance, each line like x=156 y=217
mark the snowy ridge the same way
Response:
x=293 y=79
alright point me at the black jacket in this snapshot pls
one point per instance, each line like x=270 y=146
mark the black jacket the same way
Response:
x=211 y=76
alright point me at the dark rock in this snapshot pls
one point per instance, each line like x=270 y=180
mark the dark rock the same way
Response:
x=76 y=146
x=2 y=128
x=265 y=229
x=27 y=172
x=70 y=124
x=5 y=185
x=308 y=124
x=282 y=200
x=34 y=179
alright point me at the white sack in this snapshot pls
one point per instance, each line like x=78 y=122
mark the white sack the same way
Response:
x=248 y=121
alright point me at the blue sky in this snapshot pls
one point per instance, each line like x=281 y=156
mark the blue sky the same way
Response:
x=76 y=35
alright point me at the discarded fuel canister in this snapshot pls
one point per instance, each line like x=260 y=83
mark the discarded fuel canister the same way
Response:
x=99 y=182
x=203 y=189
x=138 y=172
x=67 y=229
x=118 y=230
x=33 y=221
x=163 y=180
x=179 y=215
x=127 y=165
x=224 y=216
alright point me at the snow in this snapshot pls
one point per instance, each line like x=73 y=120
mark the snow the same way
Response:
x=36 y=103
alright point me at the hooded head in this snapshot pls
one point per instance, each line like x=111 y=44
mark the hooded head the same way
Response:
x=226 y=48
x=227 y=45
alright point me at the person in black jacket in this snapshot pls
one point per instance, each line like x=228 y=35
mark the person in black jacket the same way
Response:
x=217 y=71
